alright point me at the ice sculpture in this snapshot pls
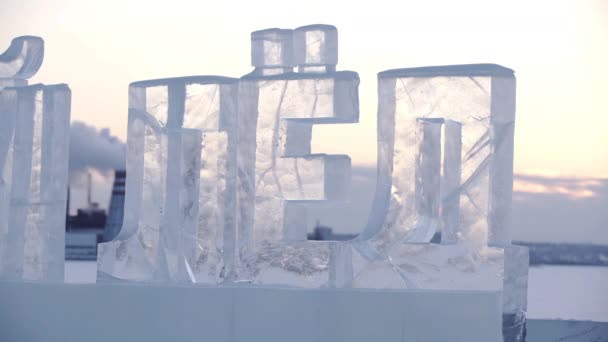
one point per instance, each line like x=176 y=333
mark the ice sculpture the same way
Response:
x=21 y=61
x=477 y=106
x=277 y=172
x=34 y=164
x=179 y=216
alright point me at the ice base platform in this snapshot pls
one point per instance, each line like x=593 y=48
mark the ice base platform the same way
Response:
x=149 y=313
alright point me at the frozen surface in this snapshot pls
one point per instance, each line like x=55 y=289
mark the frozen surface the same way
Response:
x=568 y=292
x=22 y=59
x=8 y=117
x=562 y=330
x=179 y=218
x=34 y=161
x=277 y=172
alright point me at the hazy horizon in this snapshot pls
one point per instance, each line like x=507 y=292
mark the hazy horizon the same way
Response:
x=557 y=49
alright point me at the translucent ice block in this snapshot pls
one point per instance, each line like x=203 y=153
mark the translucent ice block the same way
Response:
x=272 y=51
x=450 y=182
x=515 y=292
x=477 y=105
x=476 y=97
x=316 y=48
x=278 y=174
x=12 y=82
x=22 y=59
x=156 y=248
x=8 y=117
x=38 y=153
x=206 y=104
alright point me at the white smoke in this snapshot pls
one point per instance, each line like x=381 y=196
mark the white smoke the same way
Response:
x=92 y=148
x=94 y=152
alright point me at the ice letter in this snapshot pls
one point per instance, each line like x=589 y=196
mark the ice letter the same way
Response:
x=477 y=103
x=206 y=104
x=316 y=48
x=21 y=61
x=166 y=210
x=277 y=172
x=36 y=162
x=8 y=117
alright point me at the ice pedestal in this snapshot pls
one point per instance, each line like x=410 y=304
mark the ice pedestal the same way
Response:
x=205 y=227
x=154 y=313
x=34 y=142
x=278 y=173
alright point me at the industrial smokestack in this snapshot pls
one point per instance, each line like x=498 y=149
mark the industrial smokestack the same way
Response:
x=89 y=189
x=116 y=210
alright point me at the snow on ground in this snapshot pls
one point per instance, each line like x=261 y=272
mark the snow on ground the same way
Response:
x=564 y=292
x=568 y=292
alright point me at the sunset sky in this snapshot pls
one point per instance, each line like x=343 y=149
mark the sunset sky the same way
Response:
x=559 y=50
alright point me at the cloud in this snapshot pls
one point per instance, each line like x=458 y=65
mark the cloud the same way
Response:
x=572 y=187
x=546 y=208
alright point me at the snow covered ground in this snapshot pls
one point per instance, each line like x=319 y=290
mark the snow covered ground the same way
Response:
x=568 y=292
x=564 y=292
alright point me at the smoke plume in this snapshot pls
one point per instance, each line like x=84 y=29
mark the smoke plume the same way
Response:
x=92 y=148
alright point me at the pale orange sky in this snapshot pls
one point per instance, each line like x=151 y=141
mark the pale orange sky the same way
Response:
x=559 y=50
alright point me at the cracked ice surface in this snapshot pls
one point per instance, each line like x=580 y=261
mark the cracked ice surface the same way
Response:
x=477 y=106
x=34 y=160
x=150 y=248
x=408 y=95
x=8 y=116
x=278 y=174
x=205 y=225
x=21 y=60
x=429 y=267
x=275 y=165
x=309 y=264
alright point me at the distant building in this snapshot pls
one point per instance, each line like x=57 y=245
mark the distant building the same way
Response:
x=116 y=209
x=91 y=225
